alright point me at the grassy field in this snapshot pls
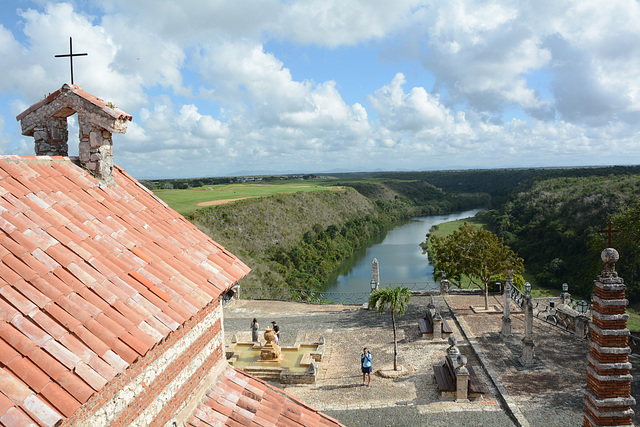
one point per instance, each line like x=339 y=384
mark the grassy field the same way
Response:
x=188 y=200
x=537 y=291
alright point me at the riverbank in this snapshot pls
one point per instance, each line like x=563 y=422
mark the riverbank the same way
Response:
x=297 y=240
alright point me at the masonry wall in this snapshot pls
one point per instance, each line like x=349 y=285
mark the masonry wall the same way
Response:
x=157 y=385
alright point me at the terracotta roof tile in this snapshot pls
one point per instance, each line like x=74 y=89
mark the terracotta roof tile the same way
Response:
x=91 y=341
x=77 y=347
x=60 y=399
x=5 y=403
x=28 y=372
x=7 y=353
x=75 y=386
x=62 y=316
x=61 y=354
x=238 y=398
x=40 y=411
x=124 y=351
x=31 y=330
x=7 y=312
x=82 y=264
x=49 y=325
x=90 y=376
x=12 y=387
x=15 y=417
x=104 y=334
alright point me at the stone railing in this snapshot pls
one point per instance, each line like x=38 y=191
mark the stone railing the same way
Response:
x=577 y=324
x=303 y=295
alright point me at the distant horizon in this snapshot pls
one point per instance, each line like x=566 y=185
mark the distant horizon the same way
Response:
x=245 y=87
x=387 y=171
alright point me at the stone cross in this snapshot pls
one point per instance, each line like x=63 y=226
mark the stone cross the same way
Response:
x=506 y=317
x=609 y=231
x=71 y=55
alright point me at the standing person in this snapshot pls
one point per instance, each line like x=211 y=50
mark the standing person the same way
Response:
x=365 y=363
x=276 y=331
x=254 y=330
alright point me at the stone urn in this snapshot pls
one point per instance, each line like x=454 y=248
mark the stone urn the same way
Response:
x=271 y=351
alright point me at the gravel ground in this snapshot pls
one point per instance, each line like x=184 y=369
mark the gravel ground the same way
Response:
x=549 y=394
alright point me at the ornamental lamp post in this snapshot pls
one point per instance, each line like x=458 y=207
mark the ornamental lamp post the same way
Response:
x=527 y=288
x=565 y=287
x=374 y=285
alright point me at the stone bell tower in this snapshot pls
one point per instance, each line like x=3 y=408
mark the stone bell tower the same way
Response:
x=608 y=397
x=46 y=121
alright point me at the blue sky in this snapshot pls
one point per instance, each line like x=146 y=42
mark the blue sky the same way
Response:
x=243 y=87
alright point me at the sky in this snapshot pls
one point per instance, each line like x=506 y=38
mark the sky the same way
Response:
x=257 y=87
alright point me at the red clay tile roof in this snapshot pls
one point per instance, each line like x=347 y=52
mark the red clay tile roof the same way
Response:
x=91 y=278
x=109 y=109
x=240 y=399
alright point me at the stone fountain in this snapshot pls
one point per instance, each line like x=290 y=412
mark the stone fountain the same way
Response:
x=270 y=352
x=288 y=365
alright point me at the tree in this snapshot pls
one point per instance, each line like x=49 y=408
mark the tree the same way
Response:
x=397 y=300
x=626 y=243
x=475 y=253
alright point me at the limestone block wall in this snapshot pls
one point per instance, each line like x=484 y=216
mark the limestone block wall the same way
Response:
x=96 y=148
x=158 y=385
x=51 y=138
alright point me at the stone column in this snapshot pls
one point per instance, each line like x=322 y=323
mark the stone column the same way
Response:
x=437 y=325
x=608 y=399
x=462 y=380
x=565 y=298
x=527 y=349
x=506 y=316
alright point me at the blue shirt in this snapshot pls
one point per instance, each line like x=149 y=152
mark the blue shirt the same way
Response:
x=365 y=360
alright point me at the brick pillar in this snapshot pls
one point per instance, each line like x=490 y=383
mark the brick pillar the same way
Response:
x=608 y=397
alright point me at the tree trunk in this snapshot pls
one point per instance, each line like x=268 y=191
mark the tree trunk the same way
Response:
x=395 y=342
x=486 y=296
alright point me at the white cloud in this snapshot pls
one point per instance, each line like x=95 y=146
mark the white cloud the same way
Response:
x=337 y=23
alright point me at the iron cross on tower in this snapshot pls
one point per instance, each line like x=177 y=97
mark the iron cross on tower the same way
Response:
x=609 y=231
x=71 y=55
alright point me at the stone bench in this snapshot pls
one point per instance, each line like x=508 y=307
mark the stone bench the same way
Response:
x=455 y=377
x=426 y=324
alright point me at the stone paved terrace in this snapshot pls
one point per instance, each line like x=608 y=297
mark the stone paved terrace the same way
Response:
x=548 y=394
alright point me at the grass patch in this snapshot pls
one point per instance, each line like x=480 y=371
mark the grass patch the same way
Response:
x=188 y=200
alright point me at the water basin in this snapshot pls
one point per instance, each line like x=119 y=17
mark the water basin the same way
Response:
x=299 y=363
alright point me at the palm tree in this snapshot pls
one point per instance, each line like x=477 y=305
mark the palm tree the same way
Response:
x=397 y=300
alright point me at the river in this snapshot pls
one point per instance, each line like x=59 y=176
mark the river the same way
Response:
x=398 y=253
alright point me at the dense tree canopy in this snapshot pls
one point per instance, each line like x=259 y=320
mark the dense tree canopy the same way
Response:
x=476 y=253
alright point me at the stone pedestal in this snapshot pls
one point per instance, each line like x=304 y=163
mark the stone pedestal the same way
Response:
x=271 y=351
x=527 y=349
x=437 y=325
x=462 y=380
x=582 y=327
x=506 y=317
x=608 y=399
x=444 y=286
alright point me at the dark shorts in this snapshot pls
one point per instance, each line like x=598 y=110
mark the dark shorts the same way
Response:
x=366 y=370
